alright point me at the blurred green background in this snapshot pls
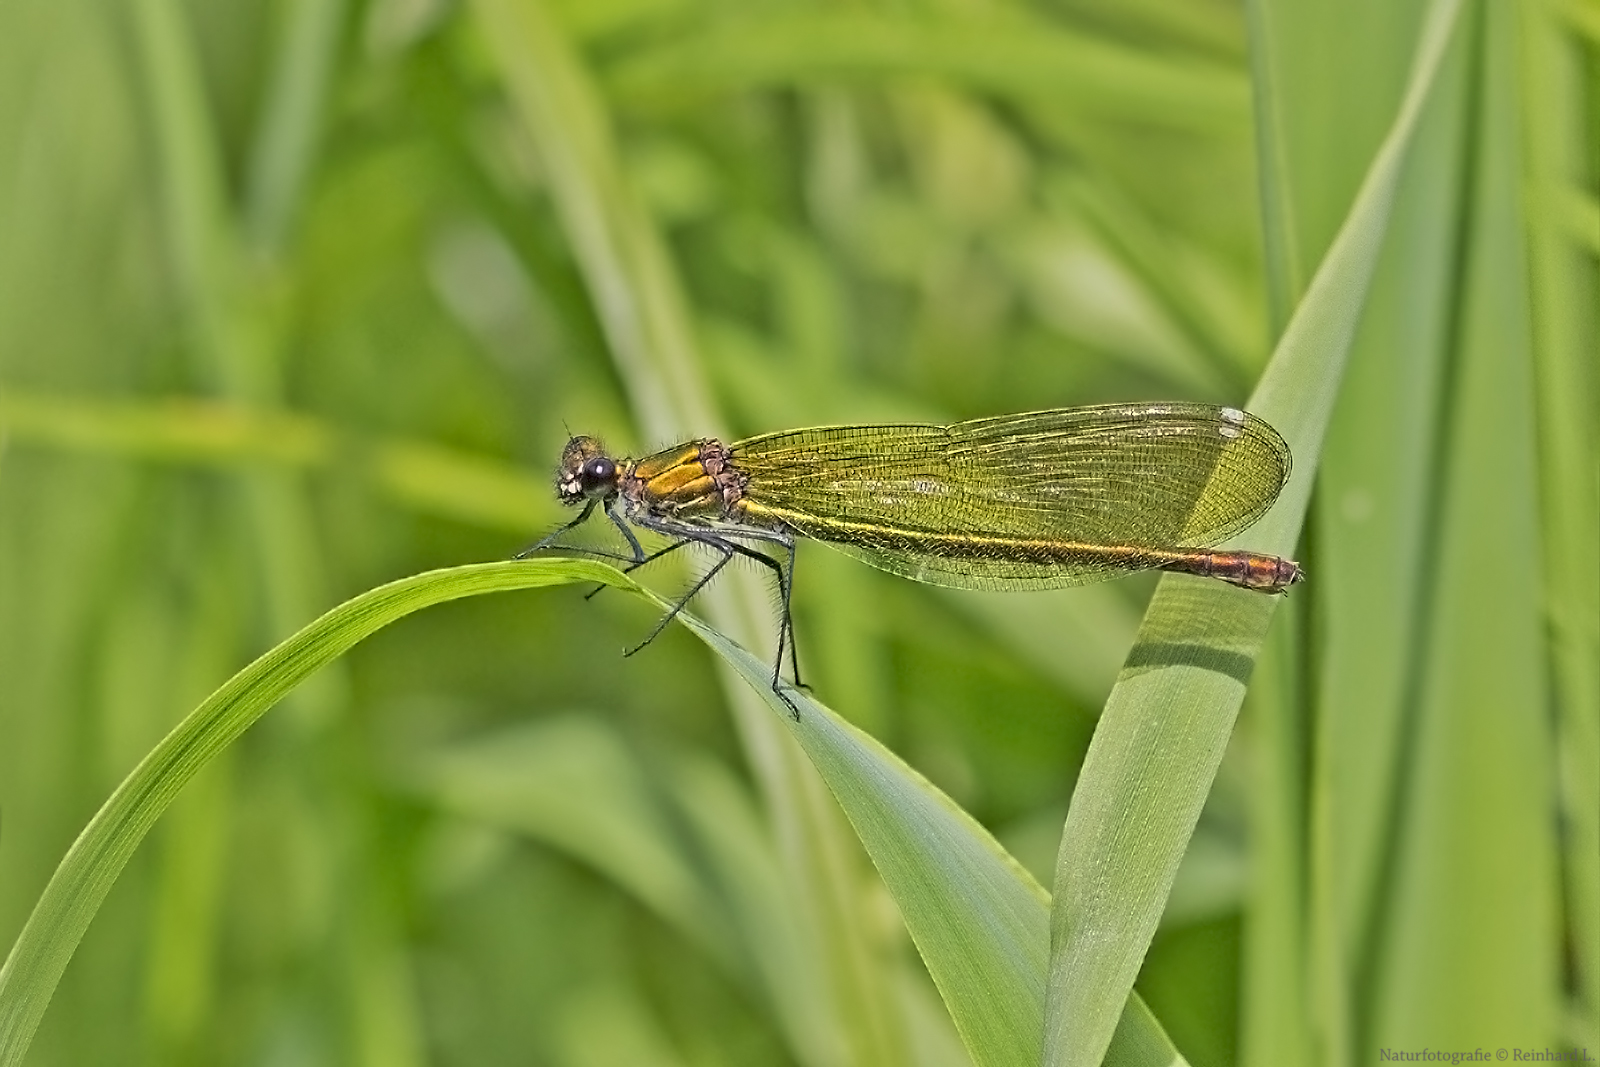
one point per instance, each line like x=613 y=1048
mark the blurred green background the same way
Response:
x=297 y=297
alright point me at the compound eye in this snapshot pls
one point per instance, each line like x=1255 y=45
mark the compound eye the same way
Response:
x=598 y=472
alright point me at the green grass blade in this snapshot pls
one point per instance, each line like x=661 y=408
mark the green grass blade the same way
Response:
x=1467 y=947
x=1564 y=262
x=90 y=868
x=1015 y=56
x=1167 y=722
x=624 y=263
x=978 y=918
x=413 y=473
x=1274 y=1005
x=1340 y=718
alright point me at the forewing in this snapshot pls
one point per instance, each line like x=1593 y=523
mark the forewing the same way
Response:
x=1150 y=475
x=1154 y=475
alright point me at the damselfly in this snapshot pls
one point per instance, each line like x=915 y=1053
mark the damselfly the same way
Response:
x=1033 y=501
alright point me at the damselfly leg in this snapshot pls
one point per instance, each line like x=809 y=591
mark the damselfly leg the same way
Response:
x=726 y=542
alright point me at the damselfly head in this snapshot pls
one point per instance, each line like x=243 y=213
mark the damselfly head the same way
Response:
x=586 y=471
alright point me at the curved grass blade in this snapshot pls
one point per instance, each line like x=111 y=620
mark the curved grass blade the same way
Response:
x=91 y=866
x=979 y=918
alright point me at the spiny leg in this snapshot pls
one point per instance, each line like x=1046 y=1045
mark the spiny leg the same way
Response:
x=728 y=552
x=595 y=553
x=627 y=534
x=636 y=559
x=635 y=564
x=683 y=539
x=786 y=590
x=785 y=576
x=719 y=540
x=550 y=539
x=686 y=535
x=725 y=539
x=786 y=638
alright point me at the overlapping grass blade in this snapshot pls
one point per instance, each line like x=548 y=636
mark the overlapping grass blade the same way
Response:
x=1165 y=727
